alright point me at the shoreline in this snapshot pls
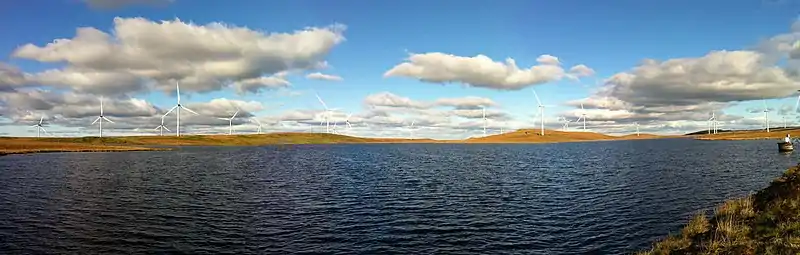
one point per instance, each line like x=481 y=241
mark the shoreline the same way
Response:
x=767 y=222
x=45 y=150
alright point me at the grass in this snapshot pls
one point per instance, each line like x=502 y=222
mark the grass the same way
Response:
x=767 y=222
x=9 y=145
x=774 y=134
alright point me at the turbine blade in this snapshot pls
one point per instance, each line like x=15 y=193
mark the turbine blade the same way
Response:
x=40 y=120
x=101 y=105
x=95 y=120
x=582 y=106
x=235 y=113
x=165 y=128
x=170 y=110
x=178 y=91
x=796 y=105
x=189 y=110
x=104 y=117
x=157 y=127
x=255 y=120
x=223 y=118
x=537 y=96
x=321 y=102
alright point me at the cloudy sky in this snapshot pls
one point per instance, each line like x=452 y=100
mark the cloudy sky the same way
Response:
x=384 y=65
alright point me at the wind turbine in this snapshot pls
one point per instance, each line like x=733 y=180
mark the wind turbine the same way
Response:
x=766 y=115
x=101 y=118
x=411 y=130
x=484 y=120
x=347 y=121
x=230 y=121
x=161 y=127
x=541 y=109
x=565 y=127
x=637 y=128
x=712 y=123
x=327 y=114
x=257 y=123
x=784 y=121
x=582 y=117
x=40 y=128
x=178 y=112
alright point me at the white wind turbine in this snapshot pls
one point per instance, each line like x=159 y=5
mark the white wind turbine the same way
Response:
x=541 y=109
x=161 y=127
x=582 y=117
x=178 y=107
x=40 y=128
x=347 y=121
x=253 y=119
x=327 y=115
x=766 y=116
x=485 y=121
x=411 y=130
x=784 y=121
x=230 y=121
x=712 y=123
x=101 y=118
x=565 y=127
x=637 y=128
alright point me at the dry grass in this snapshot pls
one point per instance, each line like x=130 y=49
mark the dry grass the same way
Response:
x=36 y=145
x=767 y=222
x=553 y=136
x=775 y=134
x=129 y=143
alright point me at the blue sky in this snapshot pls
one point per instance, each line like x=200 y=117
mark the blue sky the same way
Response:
x=609 y=37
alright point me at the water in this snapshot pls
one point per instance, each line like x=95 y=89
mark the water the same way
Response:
x=597 y=197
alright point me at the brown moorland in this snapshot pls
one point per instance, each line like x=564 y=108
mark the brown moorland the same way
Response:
x=553 y=136
x=10 y=145
x=767 y=222
x=777 y=133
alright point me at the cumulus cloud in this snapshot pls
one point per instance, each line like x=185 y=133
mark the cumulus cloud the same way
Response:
x=256 y=85
x=116 y=4
x=391 y=100
x=479 y=71
x=203 y=58
x=470 y=102
x=10 y=77
x=324 y=77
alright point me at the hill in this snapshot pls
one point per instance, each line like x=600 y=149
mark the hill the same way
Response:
x=128 y=143
x=776 y=134
x=553 y=136
x=767 y=222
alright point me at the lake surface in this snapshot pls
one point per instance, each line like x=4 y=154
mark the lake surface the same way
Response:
x=571 y=198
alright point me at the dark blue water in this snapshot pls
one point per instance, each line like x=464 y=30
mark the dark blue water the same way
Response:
x=597 y=197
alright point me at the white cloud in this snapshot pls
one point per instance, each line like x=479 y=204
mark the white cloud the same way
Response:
x=471 y=102
x=478 y=71
x=10 y=77
x=391 y=100
x=202 y=57
x=256 y=85
x=324 y=77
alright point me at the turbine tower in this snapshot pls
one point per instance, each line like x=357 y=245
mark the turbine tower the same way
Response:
x=161 y=127
x=40 y=128
x=257 y=123
x=712 y=123
x=101 y=118
x=347 y=121
x=178 y=107
x=327 y=115
x=582 y=117
x=637 y=128
x=541 y=110
x=411 y=130
x=230 y=121
x=484 y=120
x=766 y=116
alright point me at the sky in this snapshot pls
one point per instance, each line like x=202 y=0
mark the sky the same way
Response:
x=380 y=66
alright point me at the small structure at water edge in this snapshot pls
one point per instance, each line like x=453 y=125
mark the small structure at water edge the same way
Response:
x=785 y=147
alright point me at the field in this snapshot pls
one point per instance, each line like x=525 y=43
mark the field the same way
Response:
x=776 y=134
x=9 y=145
x=767 y=222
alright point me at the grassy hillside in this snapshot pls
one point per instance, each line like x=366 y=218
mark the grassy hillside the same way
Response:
x=767 y=222
x=553 y=136
x=35 y=145
x=776 y=134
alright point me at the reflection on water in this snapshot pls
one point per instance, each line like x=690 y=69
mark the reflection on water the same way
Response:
x=605 y=197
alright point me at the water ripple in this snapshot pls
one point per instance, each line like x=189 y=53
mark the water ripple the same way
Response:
x=578 y=198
